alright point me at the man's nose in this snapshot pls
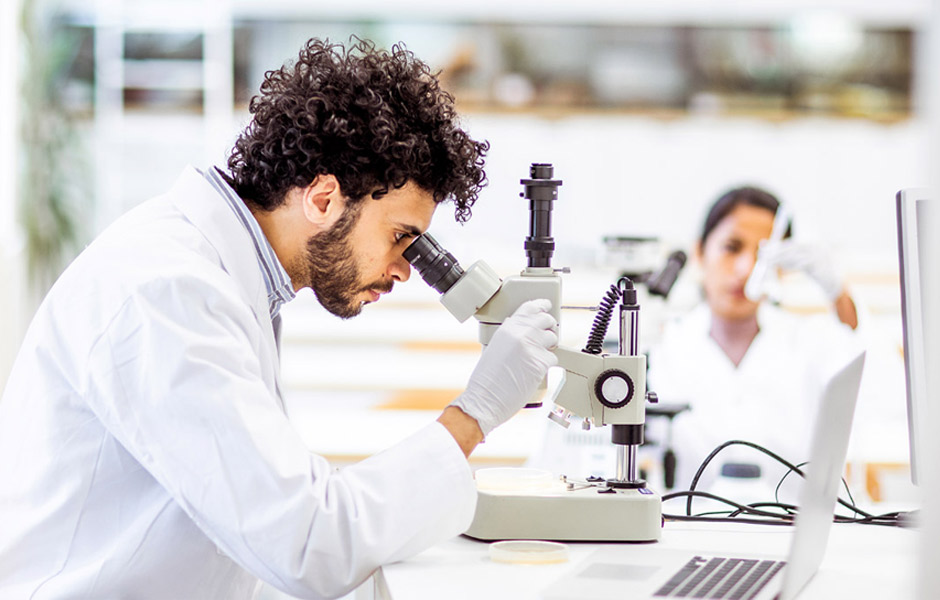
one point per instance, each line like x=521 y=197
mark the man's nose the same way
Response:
x=400 y=269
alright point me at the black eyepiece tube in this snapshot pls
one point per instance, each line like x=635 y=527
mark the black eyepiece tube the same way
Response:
x=542 y=191
x=437 y=266
x=661 y=283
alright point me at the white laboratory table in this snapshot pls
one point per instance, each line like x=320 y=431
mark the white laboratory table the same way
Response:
x=861 y=561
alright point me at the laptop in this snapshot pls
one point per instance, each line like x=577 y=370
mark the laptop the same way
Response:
x=644 y=571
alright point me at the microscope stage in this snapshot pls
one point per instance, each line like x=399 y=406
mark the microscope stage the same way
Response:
x=585 y=513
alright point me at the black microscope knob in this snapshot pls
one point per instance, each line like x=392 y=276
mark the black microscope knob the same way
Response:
x=613 y=388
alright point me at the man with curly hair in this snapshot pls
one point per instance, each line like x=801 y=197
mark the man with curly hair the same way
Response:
x=144 y=448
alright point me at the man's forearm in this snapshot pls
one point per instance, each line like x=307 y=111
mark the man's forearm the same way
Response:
x=463 y=427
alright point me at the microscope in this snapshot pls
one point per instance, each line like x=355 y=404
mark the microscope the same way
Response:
x=637 y=258
x=599 y=388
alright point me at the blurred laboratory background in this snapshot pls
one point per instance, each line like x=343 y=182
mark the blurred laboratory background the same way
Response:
x=647 y=110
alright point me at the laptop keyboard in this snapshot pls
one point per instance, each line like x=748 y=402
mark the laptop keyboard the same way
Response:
x=731 y=578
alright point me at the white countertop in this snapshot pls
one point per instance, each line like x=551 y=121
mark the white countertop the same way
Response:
x=862 y=561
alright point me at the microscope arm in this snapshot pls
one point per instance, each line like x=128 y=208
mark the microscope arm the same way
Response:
x=606 y=389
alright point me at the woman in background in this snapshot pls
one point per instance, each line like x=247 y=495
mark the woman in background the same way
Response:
x=749 y=369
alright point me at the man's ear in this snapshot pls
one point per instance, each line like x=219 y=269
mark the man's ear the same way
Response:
x=698 y=252
x=323 y=201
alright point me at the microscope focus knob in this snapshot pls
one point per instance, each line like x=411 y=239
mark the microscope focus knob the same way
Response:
x=613 y=388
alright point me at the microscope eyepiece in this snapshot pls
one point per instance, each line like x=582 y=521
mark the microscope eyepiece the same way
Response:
x=661 y=283
x=437 y=266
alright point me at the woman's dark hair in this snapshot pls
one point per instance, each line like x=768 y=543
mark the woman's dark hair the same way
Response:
x=748 y=196
x=374 y=119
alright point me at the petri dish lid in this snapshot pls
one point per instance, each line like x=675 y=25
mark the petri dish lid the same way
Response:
x=512 y=479
x=528 y=552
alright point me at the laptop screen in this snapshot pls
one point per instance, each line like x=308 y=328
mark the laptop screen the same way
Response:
x=823 y=476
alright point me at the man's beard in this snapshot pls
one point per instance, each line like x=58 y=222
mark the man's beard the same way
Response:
x=332 y=270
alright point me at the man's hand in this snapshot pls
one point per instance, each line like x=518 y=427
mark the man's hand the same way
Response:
x=511 y=367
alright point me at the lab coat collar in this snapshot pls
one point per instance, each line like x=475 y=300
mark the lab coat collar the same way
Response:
x=201 y=204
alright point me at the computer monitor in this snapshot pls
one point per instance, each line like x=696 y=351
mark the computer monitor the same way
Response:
x=912 y=205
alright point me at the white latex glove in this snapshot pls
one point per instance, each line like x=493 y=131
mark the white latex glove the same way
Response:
x=787 y=254
x=512 y=365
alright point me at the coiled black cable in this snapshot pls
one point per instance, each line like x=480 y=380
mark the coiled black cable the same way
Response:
x=595 y=343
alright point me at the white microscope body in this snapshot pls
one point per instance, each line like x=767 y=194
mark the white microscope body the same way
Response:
x=602 y=389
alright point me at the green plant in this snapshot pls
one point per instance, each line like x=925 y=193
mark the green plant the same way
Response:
x=51 y=179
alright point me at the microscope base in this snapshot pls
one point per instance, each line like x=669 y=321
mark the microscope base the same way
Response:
x=585 y=514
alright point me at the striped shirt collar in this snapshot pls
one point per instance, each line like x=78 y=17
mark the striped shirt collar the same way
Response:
x=276 y=281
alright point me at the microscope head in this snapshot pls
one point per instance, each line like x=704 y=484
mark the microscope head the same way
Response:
x=463 y=293
x=478 y=291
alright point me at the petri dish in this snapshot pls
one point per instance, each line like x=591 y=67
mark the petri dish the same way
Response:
x=512 y=479
x=528 y=552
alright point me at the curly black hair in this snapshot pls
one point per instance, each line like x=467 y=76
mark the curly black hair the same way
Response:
x=374 y=119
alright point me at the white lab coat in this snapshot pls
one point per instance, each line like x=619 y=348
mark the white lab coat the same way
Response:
x=770 y=398
x=144 y=450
